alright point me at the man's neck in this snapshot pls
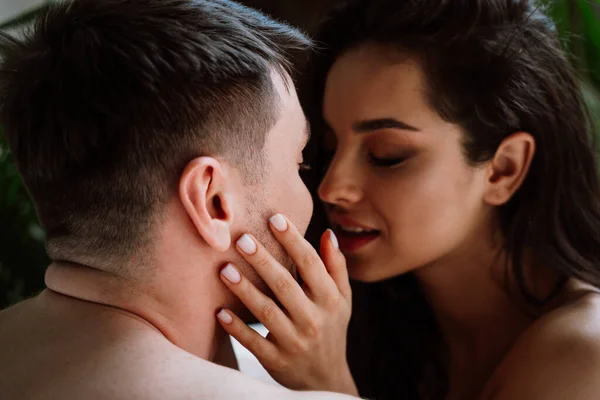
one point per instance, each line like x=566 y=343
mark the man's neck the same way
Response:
x=182 y=308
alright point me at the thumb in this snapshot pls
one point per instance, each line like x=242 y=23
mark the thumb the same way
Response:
x=335 y=262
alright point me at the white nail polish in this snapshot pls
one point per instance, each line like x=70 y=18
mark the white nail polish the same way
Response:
x=231 y=274
x=247 y=244
x=334 y=240
x=278 y=222
x=225 y=317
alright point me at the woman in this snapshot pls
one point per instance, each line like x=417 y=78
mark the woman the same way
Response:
x=463 y=188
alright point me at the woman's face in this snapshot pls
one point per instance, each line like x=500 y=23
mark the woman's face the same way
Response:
x=399 y=191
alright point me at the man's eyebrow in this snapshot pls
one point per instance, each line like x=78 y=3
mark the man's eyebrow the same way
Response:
x=371 y=125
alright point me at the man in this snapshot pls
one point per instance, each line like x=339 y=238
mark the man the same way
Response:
x=150 y=134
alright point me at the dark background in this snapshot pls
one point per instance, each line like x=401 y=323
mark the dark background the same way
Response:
x=22 y=256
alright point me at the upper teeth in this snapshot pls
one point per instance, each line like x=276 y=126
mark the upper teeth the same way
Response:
x=353 y=229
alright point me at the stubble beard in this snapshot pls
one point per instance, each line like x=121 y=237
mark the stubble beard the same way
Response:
x=259 y=212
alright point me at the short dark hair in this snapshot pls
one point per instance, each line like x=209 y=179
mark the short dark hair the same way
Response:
x=493 y=67
x=104 y=103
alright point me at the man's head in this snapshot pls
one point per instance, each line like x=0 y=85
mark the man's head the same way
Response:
x=114 y=108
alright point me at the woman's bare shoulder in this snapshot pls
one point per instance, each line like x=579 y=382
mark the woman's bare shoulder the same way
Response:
x=558 y=357
x=576 y=317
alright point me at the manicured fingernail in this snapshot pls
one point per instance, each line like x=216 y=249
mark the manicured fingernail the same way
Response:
x=225 y=317
x=246 y=244
x=333 y=238
x=231 y=274
x=278 y=222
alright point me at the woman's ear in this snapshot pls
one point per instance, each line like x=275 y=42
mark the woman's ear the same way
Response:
x=509 y=167
x=204 y=192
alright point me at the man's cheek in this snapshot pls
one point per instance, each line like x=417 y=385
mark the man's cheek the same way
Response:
x=296 y=202
x=306 y=207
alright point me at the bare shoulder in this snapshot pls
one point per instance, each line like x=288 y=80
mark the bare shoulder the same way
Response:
x=97 y=356
x=183 y=376
x=558 y=357
x=156 y=370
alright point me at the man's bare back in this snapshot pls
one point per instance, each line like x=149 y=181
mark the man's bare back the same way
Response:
x=56 y=347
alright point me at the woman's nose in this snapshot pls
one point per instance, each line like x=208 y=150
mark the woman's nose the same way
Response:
x=340 y=186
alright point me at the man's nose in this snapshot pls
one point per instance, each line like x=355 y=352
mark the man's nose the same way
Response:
x=341 y=185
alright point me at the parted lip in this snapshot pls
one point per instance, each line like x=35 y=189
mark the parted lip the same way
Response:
x=339 y=221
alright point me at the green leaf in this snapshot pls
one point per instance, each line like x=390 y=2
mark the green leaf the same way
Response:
x=590 y=32
x=561 y=14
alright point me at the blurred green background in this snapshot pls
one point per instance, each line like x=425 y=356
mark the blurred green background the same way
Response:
x=22 y=254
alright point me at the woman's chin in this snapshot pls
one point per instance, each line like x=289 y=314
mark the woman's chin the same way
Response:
x=373 y=270
x=368 y=274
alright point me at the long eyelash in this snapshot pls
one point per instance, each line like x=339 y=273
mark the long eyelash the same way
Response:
x=386 y=162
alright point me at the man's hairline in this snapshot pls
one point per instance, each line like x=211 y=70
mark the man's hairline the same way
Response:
x=276 y=73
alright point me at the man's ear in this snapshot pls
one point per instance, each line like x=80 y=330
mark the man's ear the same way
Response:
x=509 y=167
x=204 y=192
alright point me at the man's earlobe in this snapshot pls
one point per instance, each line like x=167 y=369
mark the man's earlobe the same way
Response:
x=509 y=168
x=203 y=190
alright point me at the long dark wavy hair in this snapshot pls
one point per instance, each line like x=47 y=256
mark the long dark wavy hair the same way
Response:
x=494 y=67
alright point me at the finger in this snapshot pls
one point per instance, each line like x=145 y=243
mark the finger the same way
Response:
x=262 y=307
x=263 y=349
x=277 y=277
x=310 y=266
x=335 y=262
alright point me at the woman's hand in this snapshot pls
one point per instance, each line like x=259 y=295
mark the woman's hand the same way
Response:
x=306 y=345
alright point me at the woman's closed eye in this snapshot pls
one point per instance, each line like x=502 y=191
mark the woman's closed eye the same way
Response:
x=387 y=162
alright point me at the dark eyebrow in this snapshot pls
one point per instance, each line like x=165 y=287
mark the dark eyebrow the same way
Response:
x=382 y=123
